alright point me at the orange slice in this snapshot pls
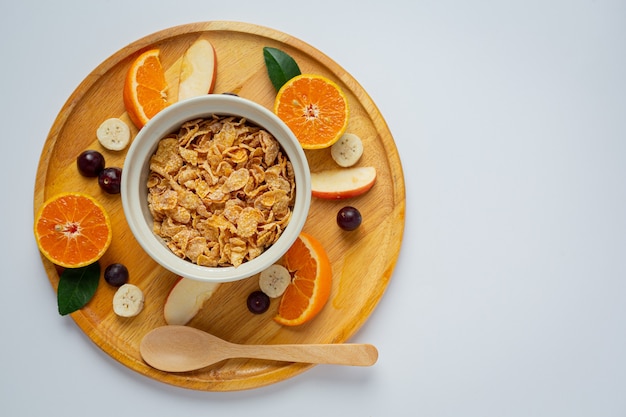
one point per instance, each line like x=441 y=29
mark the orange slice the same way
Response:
x=72 y=230
x=311 y=282
x=145 y=88
x=314 y=108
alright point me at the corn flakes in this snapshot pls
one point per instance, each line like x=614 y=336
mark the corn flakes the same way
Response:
x=221 y=191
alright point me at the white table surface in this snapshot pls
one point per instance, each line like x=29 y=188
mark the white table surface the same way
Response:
x=509 y=296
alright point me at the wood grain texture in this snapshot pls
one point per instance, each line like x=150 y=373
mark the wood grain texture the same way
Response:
x=363 y=260
x=177 y=348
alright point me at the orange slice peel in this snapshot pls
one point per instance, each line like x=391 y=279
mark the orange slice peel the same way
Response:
x=72 y=230
x=145 y=88
x=311 y=282
x=315 y=109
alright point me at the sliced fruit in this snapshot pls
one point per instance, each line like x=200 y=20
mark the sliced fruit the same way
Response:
x=72 y=230
x=186 y=298
x=342 y=182
x=145 y=88
x=347 y=150
x=198 y=70
x=310 y=287
x=314 y=108
x=113 y=134
x=128 y=301
x=274 y=280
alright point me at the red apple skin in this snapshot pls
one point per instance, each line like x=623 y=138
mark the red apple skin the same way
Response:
x=338 y=195
x=336 y=184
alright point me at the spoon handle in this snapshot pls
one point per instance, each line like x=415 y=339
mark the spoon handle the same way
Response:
x=333 y=354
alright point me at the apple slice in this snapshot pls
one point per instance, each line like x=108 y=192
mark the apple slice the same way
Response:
x=342 y=182
x=185 y=300
x=198 y=70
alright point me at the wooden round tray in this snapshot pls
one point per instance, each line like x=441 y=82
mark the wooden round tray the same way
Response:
x=362 y=260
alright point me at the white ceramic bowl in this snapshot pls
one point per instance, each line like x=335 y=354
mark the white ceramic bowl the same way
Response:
x=136 y=169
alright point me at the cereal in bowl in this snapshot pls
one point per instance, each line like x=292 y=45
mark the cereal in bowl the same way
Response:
x=220 y=191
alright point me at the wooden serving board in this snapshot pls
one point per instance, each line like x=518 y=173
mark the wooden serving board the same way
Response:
x=363 y=260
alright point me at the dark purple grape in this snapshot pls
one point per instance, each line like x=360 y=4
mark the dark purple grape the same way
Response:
x=90 y=163
x=349 y=218
x=258 y=302
x=110 y=180
x=116 y=275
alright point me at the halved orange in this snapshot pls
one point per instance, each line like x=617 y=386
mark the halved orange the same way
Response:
x=145 y=88
x=311 y=281
x=314 y=108
x=72 y=230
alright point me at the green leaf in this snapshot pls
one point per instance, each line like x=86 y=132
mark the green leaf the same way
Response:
x=280 y=66
x=76 y=287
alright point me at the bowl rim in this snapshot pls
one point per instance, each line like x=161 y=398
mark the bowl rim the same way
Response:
x=135 y=173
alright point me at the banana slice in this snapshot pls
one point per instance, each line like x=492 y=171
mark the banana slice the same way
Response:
x=128 y=300
x=347 y=150
x=113 y=134
x=274 y=280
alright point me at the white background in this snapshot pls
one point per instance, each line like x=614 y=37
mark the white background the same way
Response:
x=509 y=296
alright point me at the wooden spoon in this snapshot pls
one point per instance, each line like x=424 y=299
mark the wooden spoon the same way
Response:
x=182 y=348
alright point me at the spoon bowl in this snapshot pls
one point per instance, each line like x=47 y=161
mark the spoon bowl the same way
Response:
x=176 y=348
